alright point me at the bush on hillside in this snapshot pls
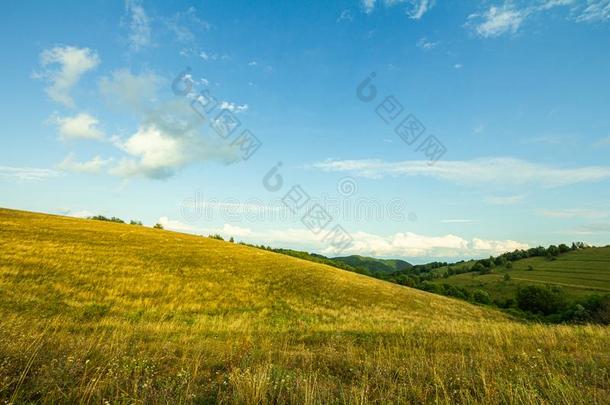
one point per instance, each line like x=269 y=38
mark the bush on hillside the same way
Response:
x=482 y=297
x=544 y=300
x=103 y=218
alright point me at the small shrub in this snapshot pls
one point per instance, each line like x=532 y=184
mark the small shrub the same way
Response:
x=507 y=277
x=158 y=226
x=481 y=297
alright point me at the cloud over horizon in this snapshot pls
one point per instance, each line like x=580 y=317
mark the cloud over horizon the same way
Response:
x=398 y=245
x=495 y=170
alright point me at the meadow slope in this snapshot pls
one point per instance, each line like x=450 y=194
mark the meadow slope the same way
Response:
x=93 y=311
x=580 y=273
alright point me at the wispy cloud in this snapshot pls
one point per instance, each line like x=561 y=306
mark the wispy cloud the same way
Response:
x=603 y=142
x=425 y=44
x=504 y=200
x=576 y=213
x=26 y=173
x=456 y=221
x=92 y=166
x=368 y=5
x=184 y=25
x=416 y=10
x=551 y=139
x=590 y=229
x=420 y=8
x=508 y=17
x=346 y=15
x=139 y=25
x=63 y=67
x=233 y=107
x=485 y=170
x=498 y=20
x=595 y=11
x=124 y=89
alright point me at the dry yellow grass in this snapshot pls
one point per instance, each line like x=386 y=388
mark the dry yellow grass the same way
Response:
x=93 y=312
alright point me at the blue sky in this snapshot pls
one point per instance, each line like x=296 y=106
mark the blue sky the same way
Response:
x=512 y=97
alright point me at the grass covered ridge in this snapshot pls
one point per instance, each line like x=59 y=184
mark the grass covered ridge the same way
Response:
x=580 y=273
x=94 y=311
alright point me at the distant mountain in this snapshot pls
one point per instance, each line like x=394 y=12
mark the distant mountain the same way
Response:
x=374 y=266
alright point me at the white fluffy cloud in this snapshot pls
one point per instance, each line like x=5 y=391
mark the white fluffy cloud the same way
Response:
x=168 y=139
x=79 y=126
x=485 y=170
x=63 y=67
x=158 y=154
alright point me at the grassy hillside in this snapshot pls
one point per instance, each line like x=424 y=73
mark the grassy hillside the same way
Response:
x=373 y=265
x=580 y=273
x=94 y=311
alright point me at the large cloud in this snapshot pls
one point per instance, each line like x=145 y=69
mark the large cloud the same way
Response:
x=167 y=139
x=170 y=134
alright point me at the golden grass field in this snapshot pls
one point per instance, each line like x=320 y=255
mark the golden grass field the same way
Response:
x=97 y=312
